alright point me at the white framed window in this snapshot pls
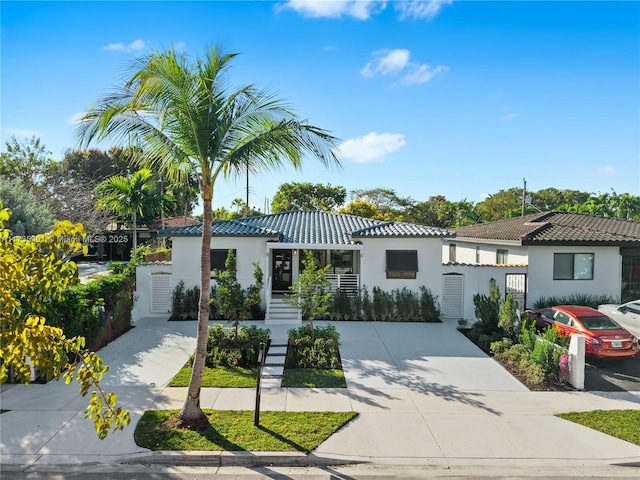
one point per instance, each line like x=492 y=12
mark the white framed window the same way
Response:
x=502 y=256
x=452 y=252
x=573 y=266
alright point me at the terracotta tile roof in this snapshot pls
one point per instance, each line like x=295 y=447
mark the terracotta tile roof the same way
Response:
x=311 y=228
x=557 y=228
x=172 y=222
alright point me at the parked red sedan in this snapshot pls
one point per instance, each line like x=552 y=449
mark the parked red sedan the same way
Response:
x=605 y=339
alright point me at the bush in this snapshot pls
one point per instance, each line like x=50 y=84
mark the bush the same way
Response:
x=99 y=311
x=584 y=299
x=305 y=352
x=226 y=349
x=185 y=303
x=399 y=305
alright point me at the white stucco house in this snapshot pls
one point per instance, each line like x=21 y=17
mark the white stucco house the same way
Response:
x=361 y=252
x=545 y=254
x=549 y=254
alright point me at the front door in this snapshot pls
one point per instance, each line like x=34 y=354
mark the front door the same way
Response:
x=281 y=268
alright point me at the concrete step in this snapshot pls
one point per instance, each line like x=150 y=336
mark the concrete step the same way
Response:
x=277 y=350
x=271 y=371
x=271 y=382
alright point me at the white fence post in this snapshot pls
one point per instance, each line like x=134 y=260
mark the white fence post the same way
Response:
x=577 y=363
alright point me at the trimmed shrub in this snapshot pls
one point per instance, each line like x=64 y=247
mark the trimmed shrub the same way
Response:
x=584 y=299
x=306 y=352
x=225 y=348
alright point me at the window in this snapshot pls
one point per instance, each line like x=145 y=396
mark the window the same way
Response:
x=502 y=256
x=477 y=254
x=573 y=266
x=452 y=252
x=402 y=263
x=219 y=259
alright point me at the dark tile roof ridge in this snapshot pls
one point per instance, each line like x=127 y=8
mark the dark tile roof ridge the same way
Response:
x=372 y=227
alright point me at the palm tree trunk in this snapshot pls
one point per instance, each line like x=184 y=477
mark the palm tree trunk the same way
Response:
x=192 y=414
x=135 y=232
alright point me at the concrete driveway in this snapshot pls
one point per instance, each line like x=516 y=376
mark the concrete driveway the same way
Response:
x=430 y=357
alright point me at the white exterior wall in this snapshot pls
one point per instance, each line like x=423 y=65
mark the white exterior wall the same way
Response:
x=373 y=264
x=607 y=273
x=185 y=257
x=466 y=253
x=477 y=280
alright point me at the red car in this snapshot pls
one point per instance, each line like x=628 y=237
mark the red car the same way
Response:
x=605 y=339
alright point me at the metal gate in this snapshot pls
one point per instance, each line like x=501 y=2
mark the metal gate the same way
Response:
x=516 y=285
x=161 y=292
x=452 y=295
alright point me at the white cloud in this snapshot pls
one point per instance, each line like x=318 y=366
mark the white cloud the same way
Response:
x=421 y=8
x=420 y=74
x=386 y=62
x=76 y=117
x=121 y=47
x=371 y=147
x=22 y=132
x=397 y=61
x=364 y=9
x=360 y=9
x=607 y=171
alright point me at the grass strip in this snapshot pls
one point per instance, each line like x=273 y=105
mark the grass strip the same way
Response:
x=313 y=378
x=219 y=377
x=622 y=424
x=233 y=430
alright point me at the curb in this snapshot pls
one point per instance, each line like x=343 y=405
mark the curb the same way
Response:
x=234 y=459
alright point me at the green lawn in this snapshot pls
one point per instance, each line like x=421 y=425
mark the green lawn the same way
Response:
x=313 y=378
x=623 y=424
x=231 y=430
x=220 y=377
x=236 y=377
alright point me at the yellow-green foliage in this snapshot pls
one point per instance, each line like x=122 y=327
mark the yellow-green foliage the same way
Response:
x=33 y=272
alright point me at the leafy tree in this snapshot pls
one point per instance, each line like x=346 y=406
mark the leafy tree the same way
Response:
x=611 y=205
x=500 y=206
x=549 y=199
x=309 y=293
x=233 y=302
x=390 y=205
x=307 y=196
x=507 y=318
x=32 y=274
x=187 y=120
x=364 y=208
x=28 y=160
x=132 y=197
x=29 y=216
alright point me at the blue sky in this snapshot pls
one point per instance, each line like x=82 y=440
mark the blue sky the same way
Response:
x=459 y=99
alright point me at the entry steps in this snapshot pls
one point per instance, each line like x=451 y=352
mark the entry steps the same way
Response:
x=281 y=313
x=271 y=376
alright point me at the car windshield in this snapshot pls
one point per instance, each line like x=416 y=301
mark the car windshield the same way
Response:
x=601 y=322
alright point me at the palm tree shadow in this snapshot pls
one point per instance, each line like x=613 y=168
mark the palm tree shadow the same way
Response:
x=283 y=439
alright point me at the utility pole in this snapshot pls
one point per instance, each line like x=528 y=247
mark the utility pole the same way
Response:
x=524 y=195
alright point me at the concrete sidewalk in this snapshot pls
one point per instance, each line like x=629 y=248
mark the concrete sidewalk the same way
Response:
x=420 y=402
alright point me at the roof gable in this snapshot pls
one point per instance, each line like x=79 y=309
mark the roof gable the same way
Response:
x=311 y=228
x=557 y=228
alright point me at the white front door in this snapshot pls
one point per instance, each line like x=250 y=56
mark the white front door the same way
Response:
x=452 y=296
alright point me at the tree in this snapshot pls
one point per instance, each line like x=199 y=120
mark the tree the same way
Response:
x=187 y=120
x=499 y=205
x=307 y=196
x=29 y=161
x=133 y=197
x=309 y=293
x=233 y=302
x=363 y=208
x=507 y=318
x=29 y=216
x=32 y=274
x=71 y=185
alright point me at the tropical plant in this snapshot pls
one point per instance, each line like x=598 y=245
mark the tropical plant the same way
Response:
x=309 y=292
x=188 y=120
x=33 y=273
x=132 y=196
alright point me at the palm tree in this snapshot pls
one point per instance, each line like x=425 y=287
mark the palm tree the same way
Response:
x=186 y=119
x=132 y=196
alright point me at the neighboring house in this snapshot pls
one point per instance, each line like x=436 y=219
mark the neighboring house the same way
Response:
x=361 y=252
x=548 y=254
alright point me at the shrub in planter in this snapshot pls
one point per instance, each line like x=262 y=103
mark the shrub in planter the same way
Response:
x=305 y=351
x=226 y=348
